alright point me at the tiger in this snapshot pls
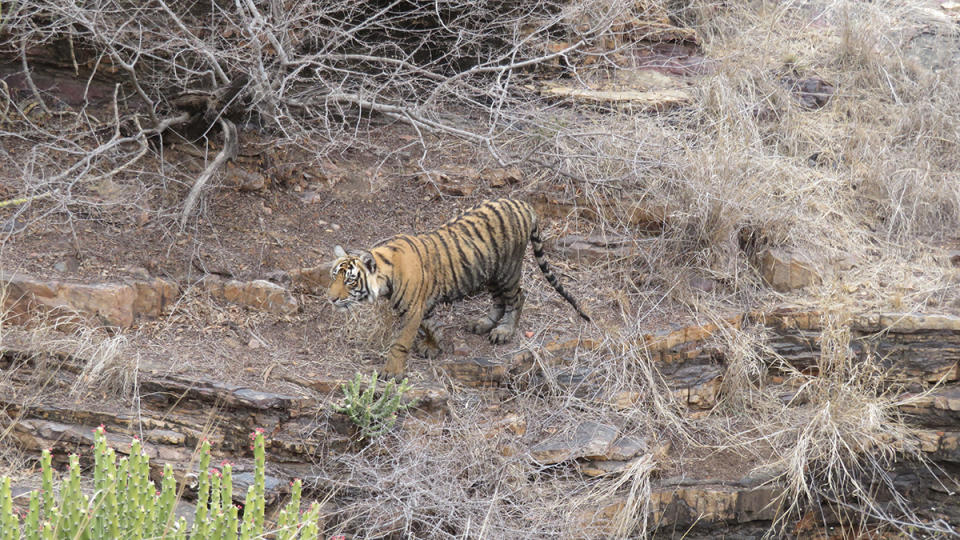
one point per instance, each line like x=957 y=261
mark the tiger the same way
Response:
x=480 y=250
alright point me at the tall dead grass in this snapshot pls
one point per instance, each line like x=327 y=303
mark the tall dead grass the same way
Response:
x=102 y=361
x=867 y=186
x=834 y=441
x=872 y=173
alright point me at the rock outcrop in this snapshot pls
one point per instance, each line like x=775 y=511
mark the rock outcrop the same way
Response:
x=121 y=303
x=258 y=294
x=176 y=413
x=106 y=304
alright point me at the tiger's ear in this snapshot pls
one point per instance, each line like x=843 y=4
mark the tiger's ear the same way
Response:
x=367 y=259
x=339 y=252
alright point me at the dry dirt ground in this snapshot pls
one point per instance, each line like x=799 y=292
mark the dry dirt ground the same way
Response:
x=250 y=235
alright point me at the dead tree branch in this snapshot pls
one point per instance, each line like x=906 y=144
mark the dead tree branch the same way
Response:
x=229 y=151
x=314 y=71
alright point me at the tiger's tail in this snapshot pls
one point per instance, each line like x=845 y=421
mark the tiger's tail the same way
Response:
x=547 y=273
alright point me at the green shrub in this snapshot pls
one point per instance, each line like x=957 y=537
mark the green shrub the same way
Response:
x=125 y=503
x=374 y=415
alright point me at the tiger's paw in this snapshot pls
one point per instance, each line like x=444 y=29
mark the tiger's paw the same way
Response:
x=501 y=334
x=394 y=368
x=482 y=325
x=430 y=350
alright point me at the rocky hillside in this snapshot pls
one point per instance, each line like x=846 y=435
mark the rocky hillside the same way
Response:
x=757 y=203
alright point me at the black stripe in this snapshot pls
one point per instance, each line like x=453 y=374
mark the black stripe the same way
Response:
x=413 y=245
x=510 y=236
x=536 y=242
x=521 y=215
x=496 y=212
x=433 y=250
x=467 y=265
x=451 y=264
x=495 y=238
x=529 y=216
x=401 y=294
x=479 y=248
x=490 y=241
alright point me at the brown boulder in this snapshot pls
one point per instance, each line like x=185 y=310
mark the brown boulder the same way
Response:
x=785 y=270
x=154 y=297
x=109 y=304
x=315 y=279
x=476 y=372
x=258 y=294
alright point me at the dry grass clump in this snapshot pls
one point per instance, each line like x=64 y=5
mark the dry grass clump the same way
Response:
x=103 y=363
x=839 y=448
x=367 y=328
x=470 y=477
x=829 y=439
x=872 y=173
x=110 y=366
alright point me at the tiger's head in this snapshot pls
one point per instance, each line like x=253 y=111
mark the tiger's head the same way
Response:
x=355 y=279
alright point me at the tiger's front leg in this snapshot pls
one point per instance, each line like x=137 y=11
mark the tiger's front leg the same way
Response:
x=428 y=339
x=400 y=349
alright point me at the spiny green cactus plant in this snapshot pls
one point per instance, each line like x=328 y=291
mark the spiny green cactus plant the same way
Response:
x=373 y=414
x=125 y=502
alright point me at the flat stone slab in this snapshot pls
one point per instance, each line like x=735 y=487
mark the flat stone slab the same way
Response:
x=593 y=248
x=937 y=408
x=604 y=468
x=213 y=392
x=273 y=487
x=626 y=448
x=476 y=372
x=587 y=439
x=258 y=294
x=683 y=506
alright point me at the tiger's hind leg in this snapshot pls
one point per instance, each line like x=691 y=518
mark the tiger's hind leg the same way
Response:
x=489 y=321
x=513 y=305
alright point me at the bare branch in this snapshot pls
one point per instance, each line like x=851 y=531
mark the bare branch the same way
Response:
x=229 y=151
x=198 y=45
x=29 y=78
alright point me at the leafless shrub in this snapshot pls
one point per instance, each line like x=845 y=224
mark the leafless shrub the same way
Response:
x=830 y=441
x=307 y=73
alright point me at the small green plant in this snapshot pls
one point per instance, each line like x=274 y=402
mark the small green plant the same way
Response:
x=125 y=502
x=373 y=414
